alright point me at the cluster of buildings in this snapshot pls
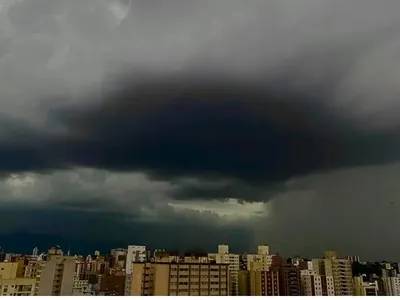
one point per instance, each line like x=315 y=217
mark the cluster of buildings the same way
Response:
x=137 y=271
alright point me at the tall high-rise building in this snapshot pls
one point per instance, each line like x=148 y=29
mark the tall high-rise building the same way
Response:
x=313 y=284
x=33 y=270
x=289 y=280
x=339 y=269
x=258 y=282
x=262 y=256
x=179 y=279
x=224 y=257
x=391 y=282
x=134 y=254
x=35 y=251
x=57 y=276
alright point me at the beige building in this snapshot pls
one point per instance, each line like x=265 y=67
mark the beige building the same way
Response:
x=224 y=257
x=258 y=283
x=179 y=279
x=338 y=269
x=11 y=284
x=57 y=276
x=33 y=270
x=362 y=288
x=262 y=256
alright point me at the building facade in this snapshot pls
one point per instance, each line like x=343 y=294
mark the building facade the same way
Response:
x=224 y=257
x=134 y=254
x=179 y=279
x=365 y=288
x=258 y=283
x=313 y=284
x=11 y=284
x=57 y=276
x=340 y=270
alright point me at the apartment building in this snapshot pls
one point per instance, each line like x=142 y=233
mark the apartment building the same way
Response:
x=258 y=283
x=338 y=269
x=33 y=270
x=11 y=284
x=365 y=288
x=289 y=280
x=391 y=284
x=22 y=262
x=81 y=287
x=180 y=279
x=262 y=256
x=57 y=276
x=224 y=257
x=313 y=284
x=134 y=253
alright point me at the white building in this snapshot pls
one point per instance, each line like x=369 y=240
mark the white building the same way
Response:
x=134 y=254
x=224 y=257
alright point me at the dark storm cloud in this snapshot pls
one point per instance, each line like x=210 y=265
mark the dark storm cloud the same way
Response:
x=89 y=231
x=253 y=104
x=203 y=127
x=92 y=208
x=203 y=189
x=260 y=98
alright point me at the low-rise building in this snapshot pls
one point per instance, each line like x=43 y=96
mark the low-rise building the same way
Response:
x=365 y=288
x=11 y=285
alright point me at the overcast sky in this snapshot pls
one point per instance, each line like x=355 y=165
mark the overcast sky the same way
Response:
x=181 y=123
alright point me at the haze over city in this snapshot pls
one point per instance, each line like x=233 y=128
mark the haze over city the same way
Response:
x=195 y=123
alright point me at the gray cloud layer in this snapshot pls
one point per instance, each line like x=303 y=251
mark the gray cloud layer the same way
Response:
x=239 y=97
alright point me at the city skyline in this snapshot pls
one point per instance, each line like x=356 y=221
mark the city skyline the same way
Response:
x=199 y=249
x=169 y=123
x=136 y=270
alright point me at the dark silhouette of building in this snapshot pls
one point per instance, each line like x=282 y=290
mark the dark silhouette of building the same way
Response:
x=112 y=285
